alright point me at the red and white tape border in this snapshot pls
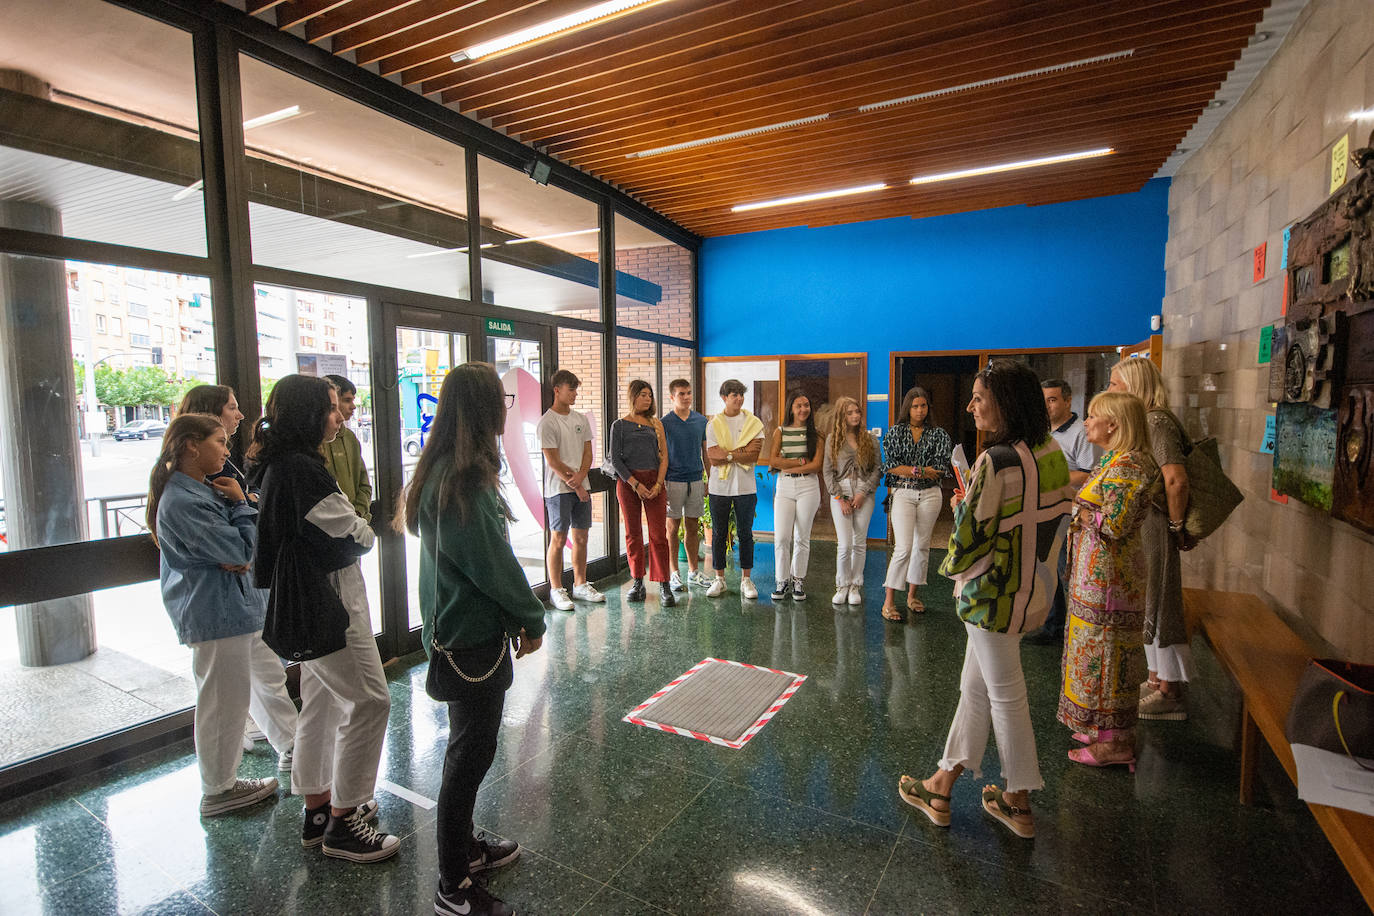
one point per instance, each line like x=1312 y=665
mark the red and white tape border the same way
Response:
x=634 y=717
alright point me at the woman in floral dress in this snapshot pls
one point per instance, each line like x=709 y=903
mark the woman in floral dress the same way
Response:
x=1104 y=654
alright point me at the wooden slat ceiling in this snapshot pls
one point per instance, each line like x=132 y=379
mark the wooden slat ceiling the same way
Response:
x=682 y=70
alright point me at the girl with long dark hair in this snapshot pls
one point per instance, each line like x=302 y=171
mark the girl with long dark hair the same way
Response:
x=309 y=542
x=474 y=603
x=206 y=530
x=794 y=452
x=1003 y=555
x=639 y=454
x=917 y=457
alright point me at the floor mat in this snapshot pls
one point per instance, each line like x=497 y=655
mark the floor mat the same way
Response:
x=719 y=701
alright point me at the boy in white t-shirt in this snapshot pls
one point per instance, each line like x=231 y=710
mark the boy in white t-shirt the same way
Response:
x=734 y=438
x=565 y=437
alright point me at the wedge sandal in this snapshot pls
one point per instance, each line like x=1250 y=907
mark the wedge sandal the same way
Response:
x=1006 y=814
x=919 y=797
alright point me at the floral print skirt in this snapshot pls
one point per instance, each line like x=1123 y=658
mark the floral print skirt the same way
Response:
x=1104 y=663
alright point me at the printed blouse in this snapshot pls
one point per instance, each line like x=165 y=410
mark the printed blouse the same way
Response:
x=932 y=451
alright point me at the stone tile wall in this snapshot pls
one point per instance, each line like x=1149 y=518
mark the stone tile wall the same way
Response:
x=1266 y=167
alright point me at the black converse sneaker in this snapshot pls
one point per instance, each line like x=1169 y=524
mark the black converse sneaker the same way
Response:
x=490 y=852
x=351 y=837
x=316 y=819
x=469 y=900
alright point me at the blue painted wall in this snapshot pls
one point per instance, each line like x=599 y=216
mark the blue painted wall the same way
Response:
x=1086 y=273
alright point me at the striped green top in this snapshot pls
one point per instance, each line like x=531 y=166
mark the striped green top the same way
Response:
x=793 y=442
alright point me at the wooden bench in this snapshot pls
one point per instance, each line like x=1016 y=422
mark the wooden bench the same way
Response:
x=1266 y=658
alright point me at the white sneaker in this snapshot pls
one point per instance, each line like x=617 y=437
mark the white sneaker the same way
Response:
x=841 y=595
x=856 y=595
x=717 y=588
x=587 y=592
x=675 y=582
x=701 y=580
x=747 y=589
x=560 y=599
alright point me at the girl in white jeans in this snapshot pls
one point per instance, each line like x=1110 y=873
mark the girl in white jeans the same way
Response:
x=794 y=452
x=852 y=467
x=916 y=458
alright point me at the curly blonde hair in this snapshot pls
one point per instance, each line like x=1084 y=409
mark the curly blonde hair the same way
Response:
x=866 y=454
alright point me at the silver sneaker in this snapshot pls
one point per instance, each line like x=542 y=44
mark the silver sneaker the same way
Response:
x=587 y=592
x=243 y=793
x=285 y=759
x=559 y=598
x=700 y=579
x=675 y=582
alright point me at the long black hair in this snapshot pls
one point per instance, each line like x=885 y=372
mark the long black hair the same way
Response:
x=461 y=450
x=904 y=412
x=789 y=420
x=1016 y=394
x=294 y=419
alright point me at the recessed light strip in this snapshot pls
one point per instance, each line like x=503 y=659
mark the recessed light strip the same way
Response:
x=991 y=81
x=804 y=198
x=1012 y=166
x=721 y=138
x=581 y=19
x=272 y=117
x=545 y=238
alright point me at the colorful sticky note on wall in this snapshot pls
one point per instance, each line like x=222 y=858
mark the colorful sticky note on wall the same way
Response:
x=1287 y=234
x=1285 y=293
x=1259 y=261
x=1278 y=497
x=1270 y=434
x=1340 y=161
x=1266 y=344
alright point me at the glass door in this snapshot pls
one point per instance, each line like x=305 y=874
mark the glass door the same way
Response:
x=522 y=354
x=428 y=344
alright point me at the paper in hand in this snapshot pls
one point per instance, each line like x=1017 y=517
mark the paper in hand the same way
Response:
x=960 y=462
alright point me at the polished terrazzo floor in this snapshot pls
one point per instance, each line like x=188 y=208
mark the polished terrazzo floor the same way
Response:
x=804 y=819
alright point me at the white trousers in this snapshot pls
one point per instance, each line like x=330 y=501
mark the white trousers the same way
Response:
x=794 y=512
x=913 y=519
x=344 y=708
x=233 y=676
x=1170 y=663
x=992 y=693
x=851 y=533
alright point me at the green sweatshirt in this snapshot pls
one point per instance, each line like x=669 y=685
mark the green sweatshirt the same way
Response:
x=344 y=458
x=481 y=590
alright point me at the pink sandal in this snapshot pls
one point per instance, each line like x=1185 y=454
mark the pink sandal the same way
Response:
x=1085 y=756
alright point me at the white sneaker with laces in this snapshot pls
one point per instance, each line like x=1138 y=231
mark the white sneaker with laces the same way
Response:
x=587 y=592
x=747 y=589
x=560 y=599
x=841 y=595
x=675 y=582
x=856 y=595
x=717 y=588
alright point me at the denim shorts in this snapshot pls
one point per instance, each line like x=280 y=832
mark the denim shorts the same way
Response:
x=565 y=510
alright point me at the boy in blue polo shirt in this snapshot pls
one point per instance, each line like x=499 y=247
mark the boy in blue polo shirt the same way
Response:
x=685 y=430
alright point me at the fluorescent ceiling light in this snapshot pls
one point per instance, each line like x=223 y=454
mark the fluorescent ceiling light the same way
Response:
x=430 y=254
x=992 y=81
x=272 y=117
x=1364 y=115
x=545 y=238
x=190 y=189
x=571 y=22
x=803 y=198
x=1012 y=166
x=721 y=138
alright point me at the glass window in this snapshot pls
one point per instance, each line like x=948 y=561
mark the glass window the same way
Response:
x=539 y=245
x=636 y=359
x=139 y=672
x=580 y=353
x=97 y=453
x=283 y=349
x=678 y=362
x=654 y=282
x=340 y=190
x=101 y=133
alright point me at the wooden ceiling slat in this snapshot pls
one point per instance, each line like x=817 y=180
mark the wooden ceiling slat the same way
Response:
x=688 y=69
x=353 y=14
x=597 y=104
x=293 y=12
x=1085 y=86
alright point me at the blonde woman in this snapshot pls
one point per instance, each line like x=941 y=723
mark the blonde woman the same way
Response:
x=852 y=468
x=1103 y=653
x=1163 y=695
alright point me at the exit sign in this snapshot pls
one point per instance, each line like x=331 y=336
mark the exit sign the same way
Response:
x=500 y=327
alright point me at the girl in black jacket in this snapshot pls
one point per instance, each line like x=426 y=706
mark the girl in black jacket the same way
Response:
x=309 y=541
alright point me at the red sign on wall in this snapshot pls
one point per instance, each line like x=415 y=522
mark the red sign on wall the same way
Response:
x=1259 y=261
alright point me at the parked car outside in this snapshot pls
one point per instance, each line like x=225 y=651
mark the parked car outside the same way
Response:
x=140 y=429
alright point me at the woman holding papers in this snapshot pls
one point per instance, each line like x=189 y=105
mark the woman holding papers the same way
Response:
x=917 y=457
